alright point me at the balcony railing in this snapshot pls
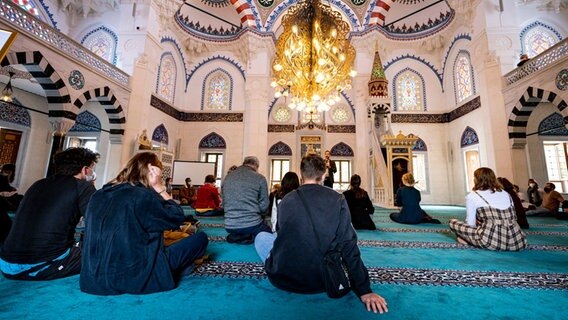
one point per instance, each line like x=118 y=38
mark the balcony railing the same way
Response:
x=548 y=57
x=27 y=24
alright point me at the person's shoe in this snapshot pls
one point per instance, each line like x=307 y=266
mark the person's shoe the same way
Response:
x=240 y=238
x=192 y=220
x=199 y=261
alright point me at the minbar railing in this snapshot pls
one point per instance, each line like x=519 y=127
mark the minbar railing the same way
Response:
x=27 y=24
x=548 y=57
x=380 y=175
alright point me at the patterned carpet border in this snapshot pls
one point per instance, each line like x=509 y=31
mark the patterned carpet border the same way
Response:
x=409 y=276
x=426 y=245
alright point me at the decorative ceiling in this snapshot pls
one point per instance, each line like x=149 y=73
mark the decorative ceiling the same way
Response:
x=404 y=19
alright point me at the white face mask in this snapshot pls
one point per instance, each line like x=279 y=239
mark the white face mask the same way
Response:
x=531 y=185
x=91 y=177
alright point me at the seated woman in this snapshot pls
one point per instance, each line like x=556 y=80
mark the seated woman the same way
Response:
x=208 y=201
x=517 y=202
x=491 y=222
x=408 y=199
x=123 y=249
x=360 y=206
x=290 y=182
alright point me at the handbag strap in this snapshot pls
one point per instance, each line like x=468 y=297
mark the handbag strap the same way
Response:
x=333 y=244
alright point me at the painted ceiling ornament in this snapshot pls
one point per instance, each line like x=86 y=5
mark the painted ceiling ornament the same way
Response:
x=410 y=1
x=217 y=3
x=546 y=5
x=358 y=2
x=266 y=3
x=85 y=8
x=76 y=80
x=562 y=80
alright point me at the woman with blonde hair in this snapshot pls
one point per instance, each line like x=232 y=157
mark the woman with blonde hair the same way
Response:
x=491 y=221
x=408 y=199
x=123 y=249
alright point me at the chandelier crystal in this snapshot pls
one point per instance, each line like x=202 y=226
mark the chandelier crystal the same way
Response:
x=313 y=57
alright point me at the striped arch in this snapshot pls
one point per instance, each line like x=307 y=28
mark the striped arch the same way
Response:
x=379 y=12
x=522 y=110
x=56 y=92
x=245 y=12
x=112 y=107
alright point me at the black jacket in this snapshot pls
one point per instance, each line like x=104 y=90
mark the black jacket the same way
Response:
x=295 y=260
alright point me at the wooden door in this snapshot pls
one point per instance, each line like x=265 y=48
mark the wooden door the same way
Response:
x=9 y=145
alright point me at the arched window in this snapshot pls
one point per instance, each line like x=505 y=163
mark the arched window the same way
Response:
x=29 y=6
x=537 y=37
x=167 y=73
x=469 y=144
x=86 y=122
x=343 y=155
x=463 y=77
x=12 y=113
x=212 y=148
x=218 y=87
x=160 y=135
x=409 y=91
x=102 y=42
x=279 y=154
x=420 y=165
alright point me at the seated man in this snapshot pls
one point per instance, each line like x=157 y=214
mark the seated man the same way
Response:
x=245 y=200
x=187 y=193
x=208 y=202
x=293 y=259
x=40 y=245
x=551 y=201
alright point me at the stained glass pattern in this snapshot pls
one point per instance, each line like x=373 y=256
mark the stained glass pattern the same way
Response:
x=282 y=114
x=538 y=40
x=212 y=141
x=280 y=149
x=102 y=42
x=469 y=137
x=408 y=92
x=218 y=90
x=553 y=125
x=340 y=114
x=341 y=150
x=463 y=77
x=29 y=6
x=14 y=114
x=420 y=145
x=167 y=77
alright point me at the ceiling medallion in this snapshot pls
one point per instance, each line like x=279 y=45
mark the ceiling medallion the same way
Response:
x=76 y=80
x=562 y=80
x=266 y=3
x=358 y=2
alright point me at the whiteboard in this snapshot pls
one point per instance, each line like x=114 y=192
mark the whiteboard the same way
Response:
x=195 y=170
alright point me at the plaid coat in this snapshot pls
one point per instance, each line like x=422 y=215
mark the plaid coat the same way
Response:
x=497 y=229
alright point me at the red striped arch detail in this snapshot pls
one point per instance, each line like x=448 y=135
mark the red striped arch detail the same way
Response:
x=245 y=12
x=380 y=11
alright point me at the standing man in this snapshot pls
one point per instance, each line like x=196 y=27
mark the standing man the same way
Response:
x=245 y=200
x=40 y=245
x=293 y=258
x=330 y=168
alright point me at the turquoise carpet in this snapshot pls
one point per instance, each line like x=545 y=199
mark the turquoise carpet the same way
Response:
x=421 y=271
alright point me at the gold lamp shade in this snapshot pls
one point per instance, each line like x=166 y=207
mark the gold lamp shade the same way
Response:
x=313 y=57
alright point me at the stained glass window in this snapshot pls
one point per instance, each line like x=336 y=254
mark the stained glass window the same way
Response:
x=29 y=6
x=167 y=77
x=463 y=77
x=101 y=42
x=409 y=92
x=218 y=91
x=538 y=40
x=282 y=114
x=340 y=114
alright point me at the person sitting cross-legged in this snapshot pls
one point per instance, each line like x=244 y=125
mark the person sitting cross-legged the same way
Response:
x=551 y=201
x=360 y=206
x=208 y=201
x=293 y=258
x=41 y=244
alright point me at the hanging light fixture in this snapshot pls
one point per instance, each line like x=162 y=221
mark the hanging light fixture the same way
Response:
x=8 y=92
x=314 y=60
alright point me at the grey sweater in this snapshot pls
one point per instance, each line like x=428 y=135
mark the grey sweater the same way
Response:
x=245 y=198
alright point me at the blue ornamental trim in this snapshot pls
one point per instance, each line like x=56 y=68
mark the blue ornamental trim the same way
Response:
x=160 y=134
x=553 y=125
x=49 y=14
x=212 y=141
x=533 y=25
x=469 y=137
x=204 y=86
x=229 y=60
x=395 y=93
x=419 y=59
x=180 y=52
x=86 y=122
x=159 y=74
x=216 y=3
x=206 y=30
x=464 y=36
x=341 y=150
x=111 y=33
x=280 y=149
x=11 y=112
x=420 y=145
x=424 y=30
x=282 y=7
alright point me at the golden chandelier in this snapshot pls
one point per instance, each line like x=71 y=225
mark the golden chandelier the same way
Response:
x=313 y=57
